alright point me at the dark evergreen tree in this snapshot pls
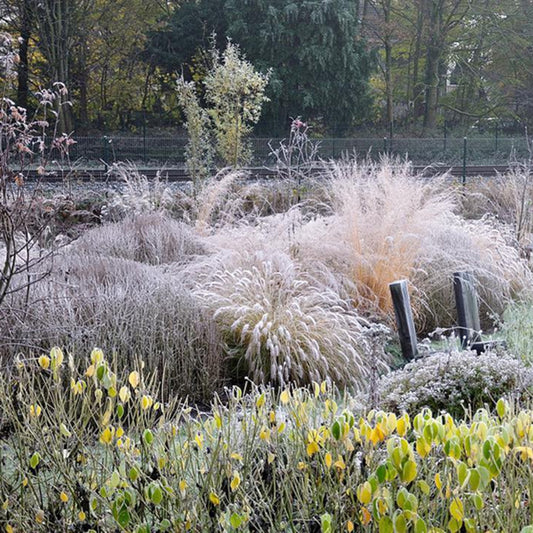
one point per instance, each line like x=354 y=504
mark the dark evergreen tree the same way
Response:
x=320 y=64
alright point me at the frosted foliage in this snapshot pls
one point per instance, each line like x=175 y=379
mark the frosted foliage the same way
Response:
x=283 y=329
x=444 y=381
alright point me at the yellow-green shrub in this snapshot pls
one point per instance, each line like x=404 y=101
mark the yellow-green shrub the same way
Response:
x=295 y=460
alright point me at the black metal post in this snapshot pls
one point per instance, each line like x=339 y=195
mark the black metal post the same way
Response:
x=467 y=308
x=404 y=318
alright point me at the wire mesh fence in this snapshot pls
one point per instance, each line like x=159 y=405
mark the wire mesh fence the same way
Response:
x=170 y=151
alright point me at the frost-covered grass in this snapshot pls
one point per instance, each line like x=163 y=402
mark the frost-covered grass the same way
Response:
x=259 y=286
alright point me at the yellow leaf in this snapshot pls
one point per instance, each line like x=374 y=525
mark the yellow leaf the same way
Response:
x=56 y=357
x=285 y=397
x=120 y=432
x=270 y=458
x=237 y=457
x=199 y=439
x=328 y=460
x=63 y=497
x=35 y=410
x=146 y=401
x=457 y=509
x=312 y=448
x=218 y=420
x=134 y=379
x=272 y=417
x=349 y=526
x=39 y=516
x=44 y=362
x=264 y=434
x=364 y=493
x=97 y=356
x=9 y=528
x=260 y=401
x=82 y=516
x=124 y=394
x=90 y=371
x=366 y=517
x=302 y=465
x=236 y=481
x=214 y=499
x=339 y=463
x=438 y=481
x=107 y=435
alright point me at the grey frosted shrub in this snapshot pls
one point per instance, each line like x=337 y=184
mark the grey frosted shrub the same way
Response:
x=280 y=328
x=151 y=238
x=126 y=308
x=453 y=382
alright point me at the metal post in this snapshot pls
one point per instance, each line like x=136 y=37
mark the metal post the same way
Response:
x=445 y=136
x=391 y=135
x=144 y=135
x=384 y=145
x=104 y=152
x=467 y=308
x=464 y=160
x=404 y=318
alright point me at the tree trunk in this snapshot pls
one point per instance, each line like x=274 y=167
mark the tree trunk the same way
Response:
x=23 y=66
x=433 y=60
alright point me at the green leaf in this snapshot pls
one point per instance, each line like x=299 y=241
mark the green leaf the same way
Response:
x=386 y=525
x=420 y=526
x=326 y=523
x=408 y=472
x=527 y=529
x=381 y=473
x=155 y=493
x=34 y=460
x=423 y=486
x=148 y=437
x=120 y=410
x=336 y=430
x=236 y=520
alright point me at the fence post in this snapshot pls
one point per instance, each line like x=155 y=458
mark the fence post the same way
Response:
x=404 y=318
x=496 y=141
x=384 y=145
x=445 y=137
x=464 y=160
x=104 y=152
x=467 y=308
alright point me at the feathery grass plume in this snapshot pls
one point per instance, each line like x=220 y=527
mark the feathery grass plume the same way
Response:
x=125 y=307
x=390 y=225
x=281 y=329
x=385 y=215
x=151 y=238
x=139 y=194
x=508 y=196
x=217 y=202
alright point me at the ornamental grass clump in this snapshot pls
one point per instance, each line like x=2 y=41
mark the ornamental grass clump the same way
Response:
x=279 y=328
x=390 y=224
x=129 y=309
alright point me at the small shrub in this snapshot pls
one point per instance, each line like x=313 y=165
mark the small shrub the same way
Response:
x=279 y=328
x=453 y=382
x=151 y=238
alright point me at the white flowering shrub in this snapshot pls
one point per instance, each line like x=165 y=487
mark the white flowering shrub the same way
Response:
x=449 y=381
x=281 y=329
